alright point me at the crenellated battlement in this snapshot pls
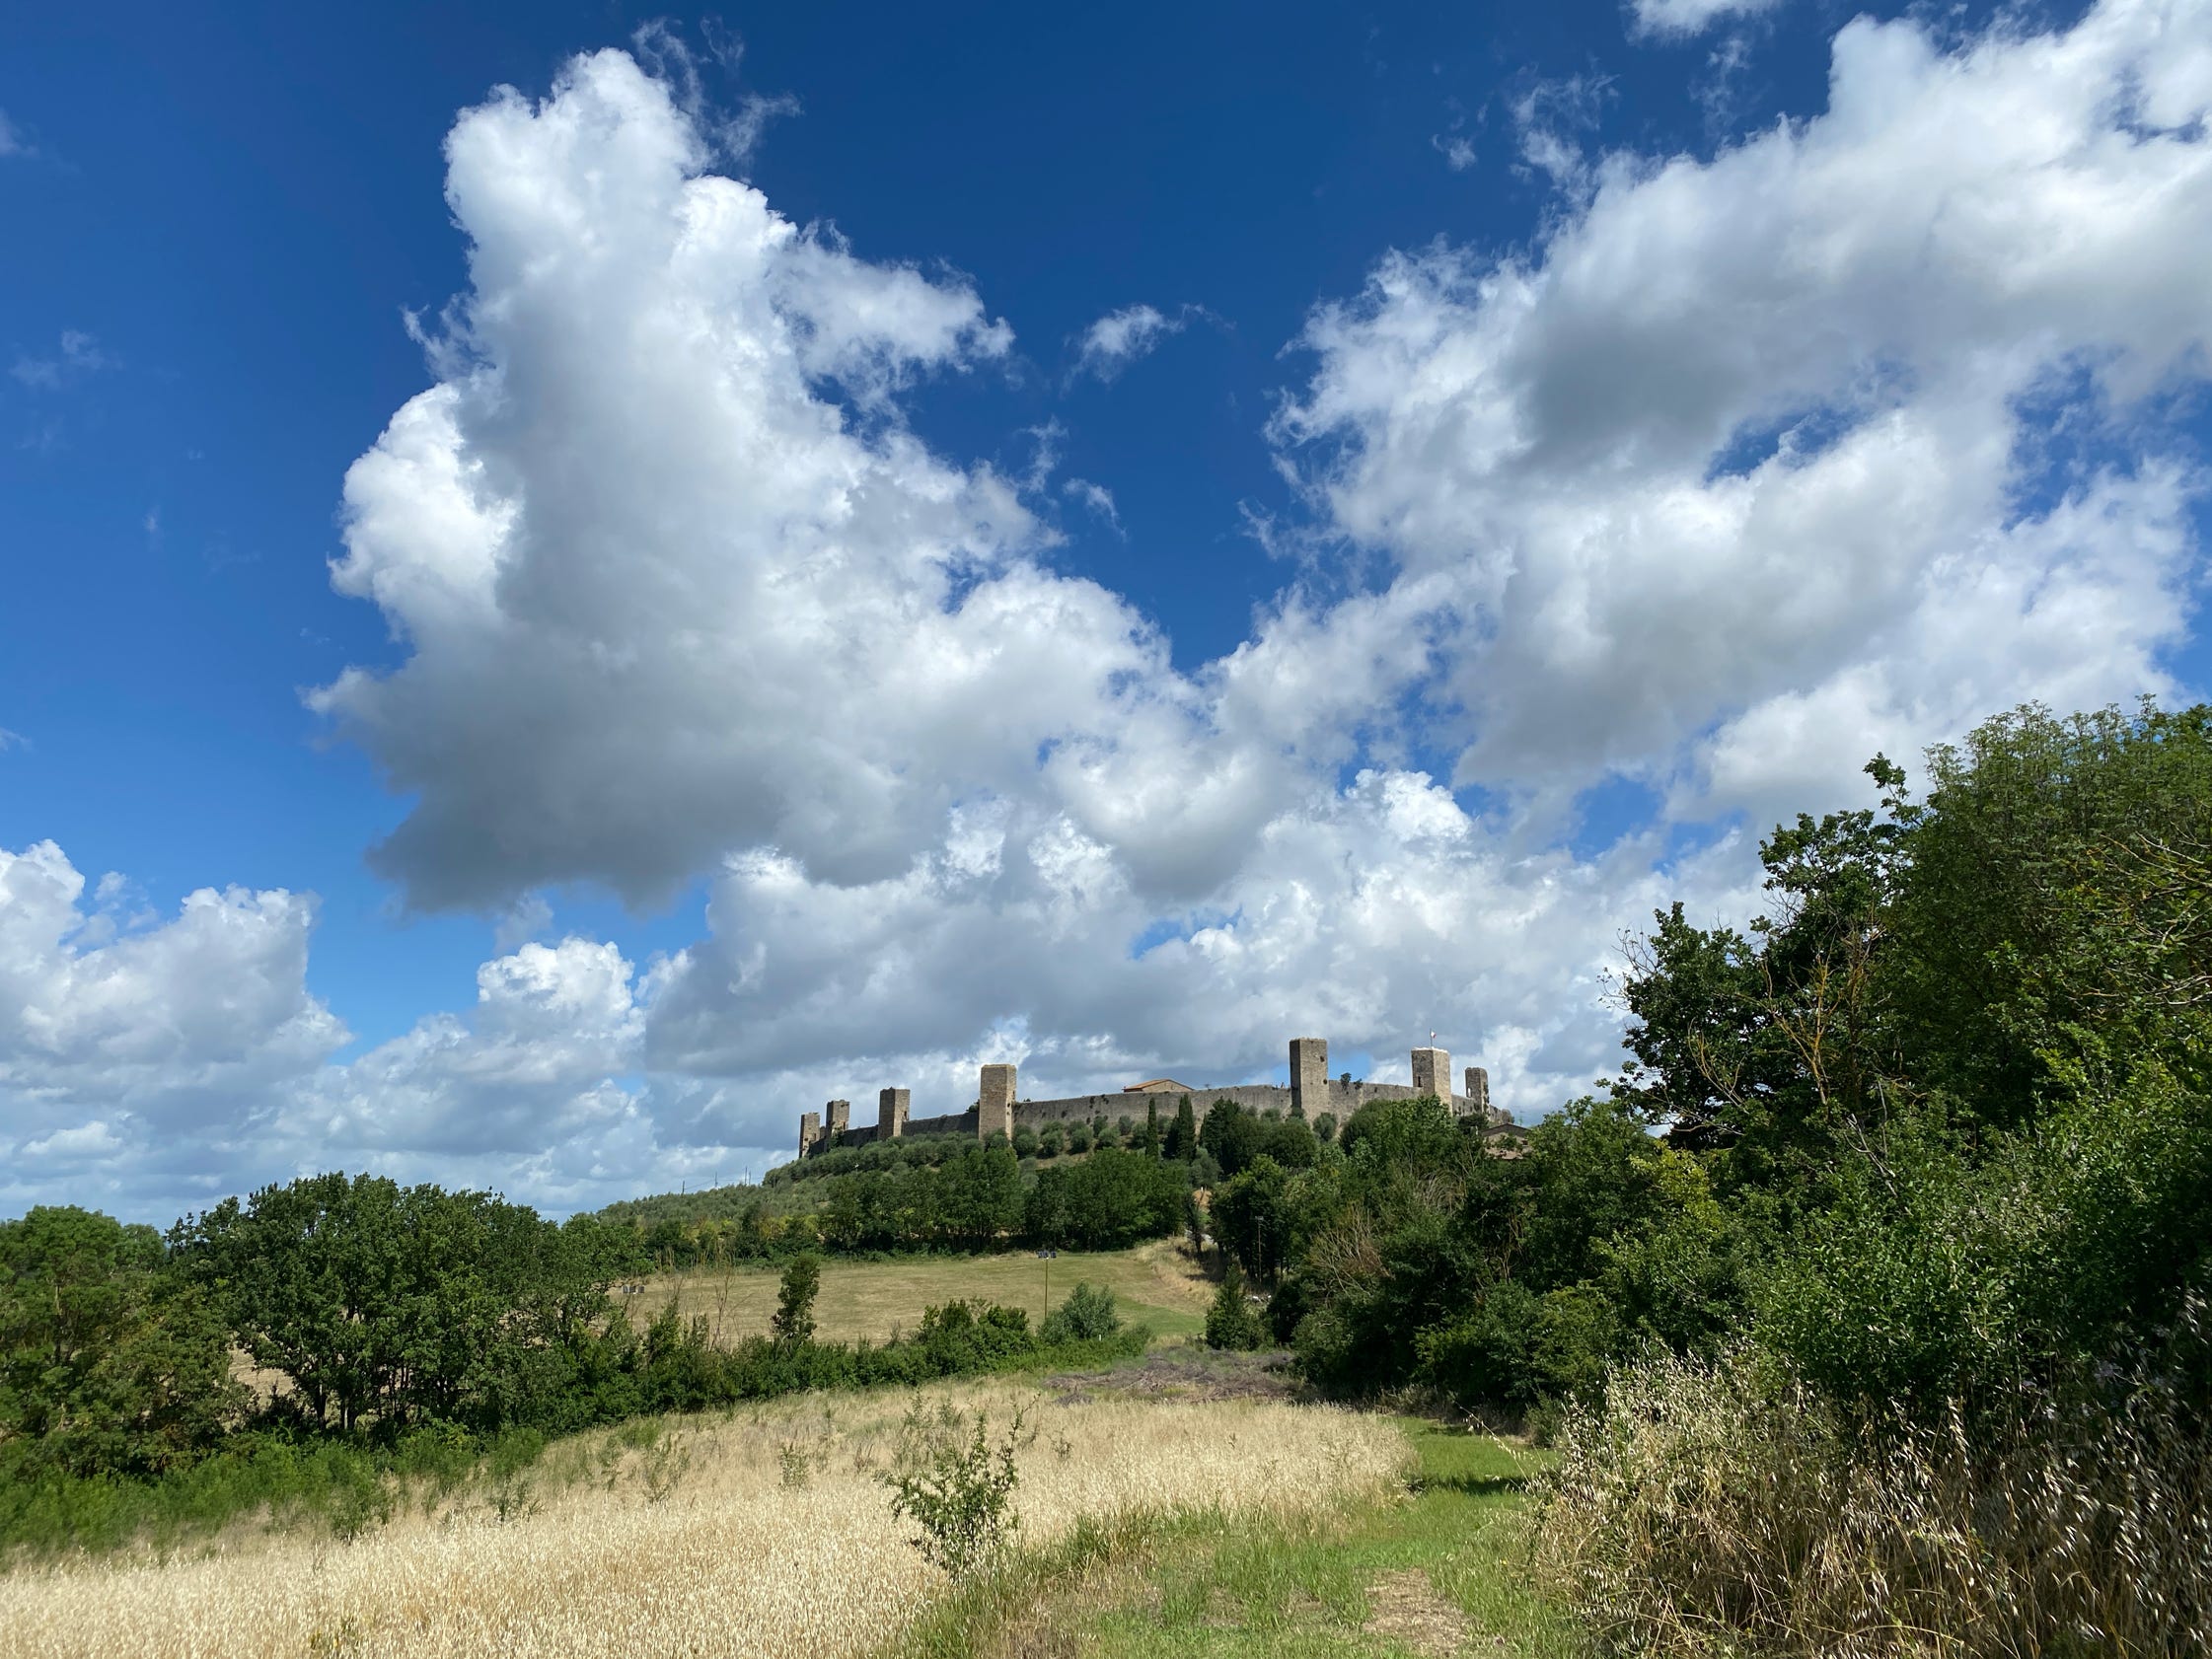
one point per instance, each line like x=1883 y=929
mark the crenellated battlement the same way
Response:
x=998 y=1106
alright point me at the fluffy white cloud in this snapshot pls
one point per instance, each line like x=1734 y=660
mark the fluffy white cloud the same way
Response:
x=152 y=1064
x=1837 y=439
x=120 y=1033
x=672 y=576
x=539 y=1091
x=1740 y=474
x=1371 y=915
x=1749 y=466
x=1121 y=338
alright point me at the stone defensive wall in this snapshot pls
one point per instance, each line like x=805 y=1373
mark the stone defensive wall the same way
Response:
x=1311 y=1092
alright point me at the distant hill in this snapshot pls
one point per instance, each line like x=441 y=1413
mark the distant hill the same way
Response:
x=802 y=1187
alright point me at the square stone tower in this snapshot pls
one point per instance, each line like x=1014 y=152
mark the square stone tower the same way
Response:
x=1309 y=1076
x=891 y=1113
x=839 y=1113
x=995 y=1101
x=1478 y=1091
x=810 y=1131
x=1431 y=1073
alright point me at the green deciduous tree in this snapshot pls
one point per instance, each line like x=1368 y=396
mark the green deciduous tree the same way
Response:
x=397 y=1303
x=108 y=1360
x=793 y=1322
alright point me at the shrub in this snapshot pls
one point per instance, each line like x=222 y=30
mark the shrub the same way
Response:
x=963 y=1337
x=360 y=1500
x=1231 y=1322
x=1080 y=1137
x=1052 y=1141
x=1087 y=1314
x=1025 y=1141
x=959 y=1489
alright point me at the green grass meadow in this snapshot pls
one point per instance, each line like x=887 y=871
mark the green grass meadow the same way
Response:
x=1437 y=1569
x=1157 y=1285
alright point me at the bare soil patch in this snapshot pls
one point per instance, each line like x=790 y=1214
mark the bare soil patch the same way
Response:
x=1187 y=1372
x=1405 y=1609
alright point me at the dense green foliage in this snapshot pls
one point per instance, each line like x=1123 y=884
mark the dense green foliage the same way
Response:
x=401 y=1303
x=794 y=1301
x=107 y=1362
x=1096 y=1185
x=1109 y=1200
x=1087 y=1316
x=1936 y=1126
x=1231 y=1322
x=405 y=1329
x=1235 y=1137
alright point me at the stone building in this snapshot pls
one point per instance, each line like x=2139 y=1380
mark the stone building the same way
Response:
x=998 y=1105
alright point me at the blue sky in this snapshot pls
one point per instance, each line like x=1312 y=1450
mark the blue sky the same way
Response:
x=1518 y=449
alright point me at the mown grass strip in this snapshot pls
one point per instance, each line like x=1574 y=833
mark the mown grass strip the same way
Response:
x=1438 y=1569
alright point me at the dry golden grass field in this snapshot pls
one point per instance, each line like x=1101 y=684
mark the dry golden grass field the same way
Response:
x=1158 y=1284
x=763 y=1531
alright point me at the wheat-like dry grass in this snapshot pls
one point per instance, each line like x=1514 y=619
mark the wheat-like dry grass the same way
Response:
x=733 y=1560
x=1723 y=1508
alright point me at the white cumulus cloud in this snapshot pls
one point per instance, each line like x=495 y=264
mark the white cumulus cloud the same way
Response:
x=1839 y=438
x=1749 y=466
x=167 y=1033
x=671 y=580
x=1120 y=338
x=151 y=1063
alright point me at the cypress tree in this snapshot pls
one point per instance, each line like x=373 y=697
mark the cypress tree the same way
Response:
x=1182 y=1137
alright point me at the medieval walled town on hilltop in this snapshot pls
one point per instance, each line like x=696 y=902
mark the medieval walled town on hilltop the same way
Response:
x=998 y=1109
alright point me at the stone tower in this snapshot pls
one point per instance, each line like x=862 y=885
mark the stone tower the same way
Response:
x=837 y=1117
x=891 y=1113
x=1478 y=1091
x=810 y=1131
x=1309 y=1076
x=995 y=1101
x=1431 y=1073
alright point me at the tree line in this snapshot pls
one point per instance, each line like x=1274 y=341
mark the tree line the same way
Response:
x=1936 y=1121
x=394 y=1322
x=1890 y=1237
x=952 y=1193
